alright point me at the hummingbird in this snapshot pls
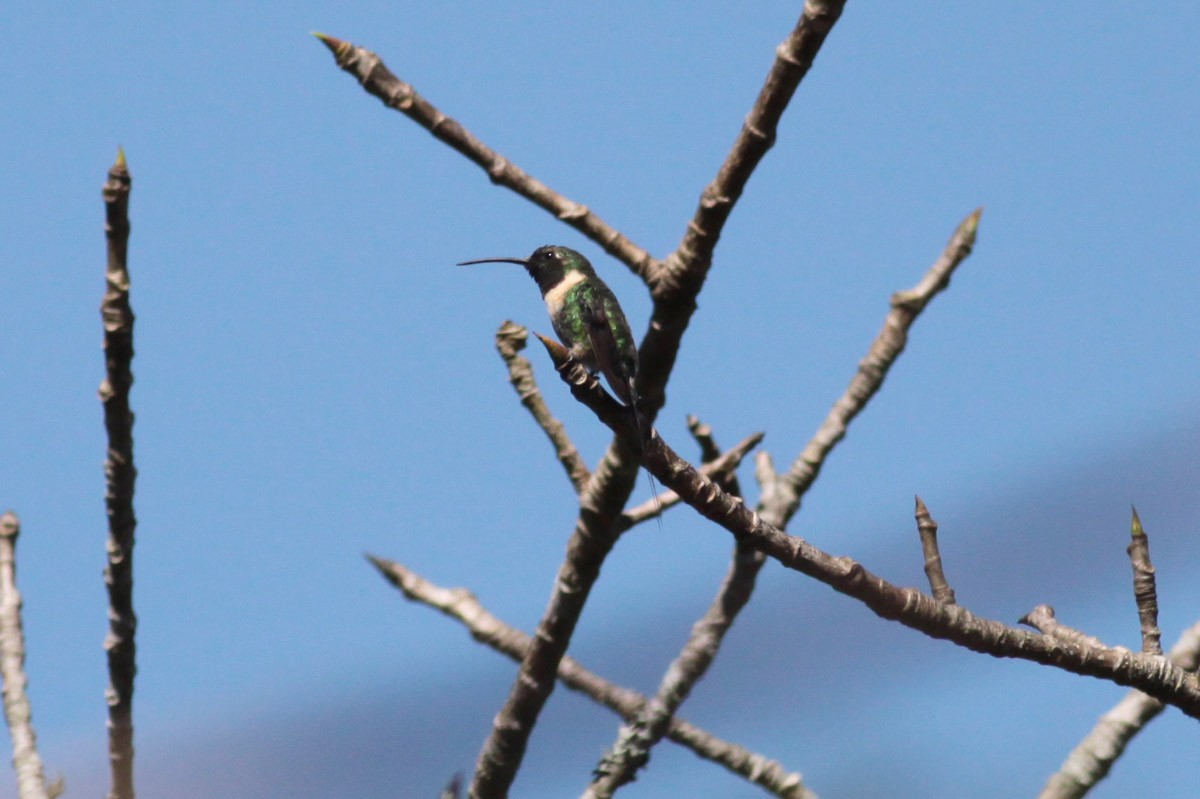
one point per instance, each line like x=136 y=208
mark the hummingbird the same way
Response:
x=587 y=319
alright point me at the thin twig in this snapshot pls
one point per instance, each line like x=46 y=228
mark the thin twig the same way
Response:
x=910 y=607
x=927 y=528
x=31 y=778
x=721 y=469
x=120 y=476
x=1144 y=591
x=510 y=340
x=461 y=605
x=378 y=80
x=631 y=751
x=884 y=350
x=1091 y=760
x=709 y=451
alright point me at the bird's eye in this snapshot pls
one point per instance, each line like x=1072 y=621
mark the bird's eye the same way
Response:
x=553 y=255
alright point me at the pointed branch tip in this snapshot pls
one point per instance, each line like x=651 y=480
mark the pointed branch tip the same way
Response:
x=970 y=225
x=334 y=44
x=558 y=353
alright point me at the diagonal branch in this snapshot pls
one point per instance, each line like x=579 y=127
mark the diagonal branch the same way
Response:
x=631 y=751
x=121 y=475
x=31 y=777
x=677 y=282
x=1091 y=760
x=378 y=80
x=721 y=468
x=510 y=340
x=596 y=530
x=461 y=605
x=793 y=58
x=1153 y=675
x=872 y=370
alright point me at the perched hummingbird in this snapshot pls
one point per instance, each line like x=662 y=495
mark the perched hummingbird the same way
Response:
x=588 y=320
x=586 y=316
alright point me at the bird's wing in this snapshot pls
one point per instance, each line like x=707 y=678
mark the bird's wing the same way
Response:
x=605 y=347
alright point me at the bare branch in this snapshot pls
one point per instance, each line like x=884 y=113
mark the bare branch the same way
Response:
x=793 y=58
x=872 y=370
x=461 y=605
x=121 y=475
x=677 y=281
x=722 y=468
x=378 y=80
x=31 y=778
x=927 y=528
x=1144 y=590
x=510 y=340
x=910 y=607
x=631 y=751
x=596 y=530
x=1092 y=759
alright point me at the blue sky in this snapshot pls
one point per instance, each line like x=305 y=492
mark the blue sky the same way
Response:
x=316 y=380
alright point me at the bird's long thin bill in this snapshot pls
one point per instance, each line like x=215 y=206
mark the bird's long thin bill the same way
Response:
x=520 y=261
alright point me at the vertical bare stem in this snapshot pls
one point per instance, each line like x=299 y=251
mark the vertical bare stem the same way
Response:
x=1144 y=589
x=31 y=779
x=120 y=476
x=927 y=528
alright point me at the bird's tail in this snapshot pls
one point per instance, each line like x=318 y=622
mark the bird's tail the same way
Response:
x=639 y=424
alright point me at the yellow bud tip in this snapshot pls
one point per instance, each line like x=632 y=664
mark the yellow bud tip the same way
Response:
x=971 y=224
x=120 y=157
x=335 y=45
x=1135 y=526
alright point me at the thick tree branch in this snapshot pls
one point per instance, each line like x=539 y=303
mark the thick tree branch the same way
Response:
x=1153 y=675
x=121 y=476
x=720 y=469
x=461 y=605
x=510 y=340
x=378 y=80
x=793 y=58
x=31 y=777
x=1092 y=759
x=596 y=530
x=677 y=282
